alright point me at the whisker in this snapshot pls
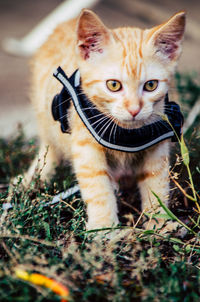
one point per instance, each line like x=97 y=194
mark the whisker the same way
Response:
x=111 y=131
x=94 y=116
x=65 y=115
x=170 y=112
x=166 y=107
x=104 y=127
x=87 y=108
x=63 y=102
x=155 y=115
x=100 y=121
x=115 y=130
x=170 y=109
x=104 y=117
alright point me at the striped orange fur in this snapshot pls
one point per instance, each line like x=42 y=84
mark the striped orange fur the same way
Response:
x=132 y=56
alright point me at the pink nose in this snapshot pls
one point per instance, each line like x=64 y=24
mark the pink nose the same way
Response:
x=134 y=111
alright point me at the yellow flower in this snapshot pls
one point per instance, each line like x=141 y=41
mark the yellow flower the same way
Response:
x=42 y=280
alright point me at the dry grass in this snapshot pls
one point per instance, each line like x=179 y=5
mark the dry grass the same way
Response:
x=136 y=265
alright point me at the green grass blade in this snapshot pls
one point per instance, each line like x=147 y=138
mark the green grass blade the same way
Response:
x=184 y=152
x=171 y=215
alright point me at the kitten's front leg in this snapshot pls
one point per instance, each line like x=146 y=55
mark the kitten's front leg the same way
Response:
x=92 y=174
x=154 y=177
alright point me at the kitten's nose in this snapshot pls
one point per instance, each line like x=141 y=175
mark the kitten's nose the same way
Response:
x=134 y=110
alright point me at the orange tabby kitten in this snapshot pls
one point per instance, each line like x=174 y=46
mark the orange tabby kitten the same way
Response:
x=124 y=72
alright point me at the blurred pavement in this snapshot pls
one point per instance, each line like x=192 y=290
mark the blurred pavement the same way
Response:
x=17 y=18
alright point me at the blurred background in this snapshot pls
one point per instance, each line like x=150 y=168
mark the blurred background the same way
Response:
x=19 y=17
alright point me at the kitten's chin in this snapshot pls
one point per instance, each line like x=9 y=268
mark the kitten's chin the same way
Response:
x=131 y=124
x=134 y=124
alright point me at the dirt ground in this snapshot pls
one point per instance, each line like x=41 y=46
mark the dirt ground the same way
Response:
x=17 y=18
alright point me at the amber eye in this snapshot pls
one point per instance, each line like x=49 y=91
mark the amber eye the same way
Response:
x=114 y=85
x=151 y=85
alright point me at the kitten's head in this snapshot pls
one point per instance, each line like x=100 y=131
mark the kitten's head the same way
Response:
x=126 y=72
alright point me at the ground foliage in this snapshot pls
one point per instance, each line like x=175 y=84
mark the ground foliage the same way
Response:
x=135 y=265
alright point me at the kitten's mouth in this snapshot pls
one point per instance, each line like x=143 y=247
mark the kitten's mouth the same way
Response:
x=145 y=119
x=131 y=124
x=135 y=122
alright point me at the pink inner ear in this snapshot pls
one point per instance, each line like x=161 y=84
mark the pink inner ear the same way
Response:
x=168 y=47
x=91 y=43
x=168 y=44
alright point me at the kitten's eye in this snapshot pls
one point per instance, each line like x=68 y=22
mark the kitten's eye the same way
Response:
x=114 y=85
x=150 y=85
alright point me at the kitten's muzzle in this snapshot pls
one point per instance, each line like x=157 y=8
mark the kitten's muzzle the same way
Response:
x=134 y=111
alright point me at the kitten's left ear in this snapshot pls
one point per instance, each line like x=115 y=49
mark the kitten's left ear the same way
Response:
x=92 y=34
x=167 y=37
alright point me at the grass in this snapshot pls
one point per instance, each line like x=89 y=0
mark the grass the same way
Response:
x=136 y=265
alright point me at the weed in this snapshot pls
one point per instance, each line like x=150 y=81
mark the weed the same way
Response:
x=50 y=239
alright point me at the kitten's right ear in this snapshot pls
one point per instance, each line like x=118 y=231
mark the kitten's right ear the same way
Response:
x=92 y=34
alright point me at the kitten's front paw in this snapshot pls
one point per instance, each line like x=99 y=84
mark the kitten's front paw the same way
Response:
x=164 y=227
x=92 y=225
x=104 y=228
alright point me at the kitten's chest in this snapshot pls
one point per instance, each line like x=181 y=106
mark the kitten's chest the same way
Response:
x=123 y=167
